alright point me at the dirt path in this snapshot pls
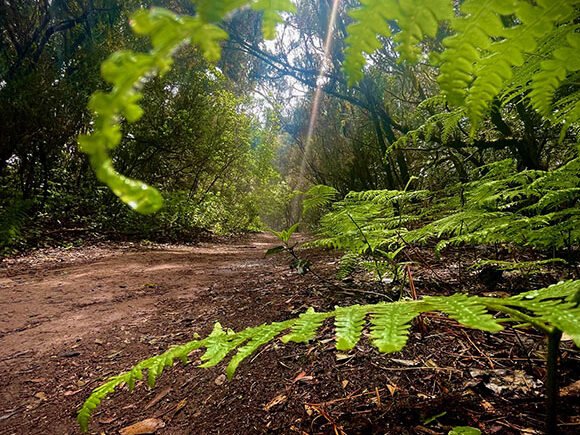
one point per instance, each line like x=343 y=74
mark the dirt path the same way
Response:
x=59 y=319
x=71 y=319
x=43 y=310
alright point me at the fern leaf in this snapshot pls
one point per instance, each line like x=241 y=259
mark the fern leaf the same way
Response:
x=96 y=397
x=476 y=26
x=565 y=290
x=390 y=325
x=468 y=311
x=561 y=314
x=271 y=10
x=415 y=20
x=258 y=337
x=306 y=326
x=317 y=197
x=219 y=344
x=349 y=323
x=370 y=23
x=565 y=60
x=495 y=69
x=129 y=378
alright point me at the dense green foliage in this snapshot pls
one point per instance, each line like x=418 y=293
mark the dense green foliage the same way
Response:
x=198 y=142
x=496 y=203
x=438 y=123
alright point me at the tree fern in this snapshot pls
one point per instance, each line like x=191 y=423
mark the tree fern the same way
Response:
x=553 y=307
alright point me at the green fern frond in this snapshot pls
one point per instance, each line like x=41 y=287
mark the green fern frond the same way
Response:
x=566 y=290
x=127 y=71
x=415 y=20
x=528 y=266
x=565 y=60
x=219 y=344
x=305 y=327
x=390 y=324
x=370 y=23
x=128 y=378
x=349 y=323
x=347 y=265
x=495 y=69
x=258 y=337
x=469 y=311
x=317 y=197
x=556 y=306
x=564 y=316
x=478 y=23
x=271 y=10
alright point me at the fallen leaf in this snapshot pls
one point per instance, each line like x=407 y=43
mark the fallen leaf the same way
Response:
x=405 y=362
x=309 y=409
x=302 y=377
x=108 y=420
x=36 y=380
x=342 y=356
x=220 y=379
x=392 y=389
x=572 y=390
x=158 y=397
x=278 y=400
x=148 y=426
x=344 y=383
x=72 y=392
x=41 y=395
x=487 y=406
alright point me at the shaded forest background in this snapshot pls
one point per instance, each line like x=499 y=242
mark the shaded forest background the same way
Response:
x=228 y=144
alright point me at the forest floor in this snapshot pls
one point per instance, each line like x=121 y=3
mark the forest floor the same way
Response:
x=72 y=318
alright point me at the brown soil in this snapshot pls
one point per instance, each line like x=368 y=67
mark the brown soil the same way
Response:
x=70 y=319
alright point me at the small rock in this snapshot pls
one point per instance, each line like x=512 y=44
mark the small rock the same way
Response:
x=220 y=379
